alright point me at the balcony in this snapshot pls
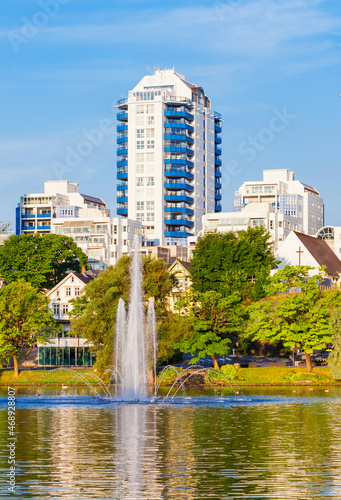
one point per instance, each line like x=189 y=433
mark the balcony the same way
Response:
x=122 y=139
x=123 y=116
x=28 y=228
x=179 y=210
x=217 y=197
x=122 y=101
x=178 y=137
x=96 y=244
x=179 y=222
x=217 y=162
x=217 y=151
x=122 y=175
x=122 y=187
x=43 y=228
x=181 y=125
x=217 y=174
x=217 y=208
x=123 y=199
x=122 y=128
x=179 y=173
x=27 y=216
x=217 y=185
x=179 y=114
x=122 y=163
x=175 y=161
x=122 y=211
x=178 y=198
x=44 y=216
x=217 y=128
x=179 y=149
x=177 y=234
x=122 y=151
x=179 y=185
x=217 y=139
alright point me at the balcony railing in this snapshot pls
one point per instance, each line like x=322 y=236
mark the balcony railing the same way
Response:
x=123 y=116
x=179 y=114
x=178 y=137
x=178 y=198
x=179 y=222
x=122 y=187
x=179 y=173
x=122 y=199
x=179 y=185
x=122 y=101
x=179 y=210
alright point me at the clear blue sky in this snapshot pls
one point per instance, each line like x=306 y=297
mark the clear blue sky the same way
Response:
x=62 y=72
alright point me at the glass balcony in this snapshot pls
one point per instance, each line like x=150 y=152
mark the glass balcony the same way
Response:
x=177 y=234
x=179 y=210
x=176 y=161
x=122 y=175
x=179 y=185
x=122 y=211
x=122 y=187
x=122 y=139
x=179 y=114
x=217 y=197
x=122 y=116
x=122 y=127
x=179 y=124
x=179 y=173
x=27 y=216
x=43 y=228
x=178 y=137
x=217 y=173
x=122 y=101
x=179 y=222
x=217 y=185
x=217 y=151
x=217 y=208
x=122 y=163
x=179 y=149
x=122 y=151
x=122 y=199
x=217 y=162
x=217 y=139
x=217 y=128
x=179 y=198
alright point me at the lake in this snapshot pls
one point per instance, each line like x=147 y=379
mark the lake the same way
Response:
x=263 y=443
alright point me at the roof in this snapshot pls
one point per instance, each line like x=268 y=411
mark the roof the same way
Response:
x=311 y=189
x=92 y=199
x=173 y=260
x=82 y=277
x=85 y=278
x=321 y=252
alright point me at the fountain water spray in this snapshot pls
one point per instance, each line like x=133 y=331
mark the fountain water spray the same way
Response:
x=135 y=345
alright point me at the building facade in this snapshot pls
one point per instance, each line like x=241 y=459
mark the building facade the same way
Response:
x=168 y=157
x=287 y=196
x=332 y=236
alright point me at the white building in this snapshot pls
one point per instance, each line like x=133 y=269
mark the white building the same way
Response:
x=168 y=157
x=287 y=196
x=60 y=199
x=303 y=250
x=61 y=209
x=66 y=350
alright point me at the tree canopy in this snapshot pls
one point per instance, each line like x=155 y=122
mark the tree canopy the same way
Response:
x=25 y=319
x=334 y=359
x=40 y=260
x=297 y=314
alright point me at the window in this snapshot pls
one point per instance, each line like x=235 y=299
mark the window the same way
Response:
x=140 y=216
x=150 y=132
x=139 y=110
x=140 y=205
x=65 y=308
x=139 y=181
x=149 y=109
x=150 y=205
x=139 y=157
x=139 y=120
x=150 y=181
x=77 y=290
x=139 y=144
x=140 y=133
x=124 y=229
x=140 y=168
x=280 y=224
x=68 y=291
x=150 y=216
x=150 y=144
x=56 y=309
x=149 y=157
x=124 y=242
x=72 y=279
x=115 y=241
x=150 y=120
x=115 y=229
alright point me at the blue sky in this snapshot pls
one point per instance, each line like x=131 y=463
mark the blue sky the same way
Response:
x=64 y=64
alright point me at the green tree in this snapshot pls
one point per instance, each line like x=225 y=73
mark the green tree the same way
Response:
x=171 y=329
x=25 y=319
x=297 y=314
x=94 y=313
x=42 y=261
x=334 y=359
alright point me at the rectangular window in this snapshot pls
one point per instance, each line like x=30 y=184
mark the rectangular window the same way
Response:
x=140 y=216
x=149 y=132
x=139 y=181
x=139 y=110
x=150 y=181
x=124 y=242
x=140 y=205
x=68 y=291
x=56 y=309
x=140 y=133
x=150 y=216
x=150 y=120
x=150 y=144
x=150 y=205
x=149 y=109
x=65 y=308
x=140 y=168
x=77 y=290
x=139 y=157
x=139 y=144
x=139 y=120
x=149 y=157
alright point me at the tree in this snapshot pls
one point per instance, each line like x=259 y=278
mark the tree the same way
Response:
x=171 y=329
x=334 y=359
x=294 y=316
x=4 y=226
x=42 y=261
x=229 y=262
x=25 y=319
x=94 y=313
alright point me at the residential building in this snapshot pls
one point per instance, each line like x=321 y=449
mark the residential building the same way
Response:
x=167 y=253
x=66 y=350
x=180 y=271
x=332 y=236
x=60 y=199
x=168 y=157
x=287 y=196
x=303 y=250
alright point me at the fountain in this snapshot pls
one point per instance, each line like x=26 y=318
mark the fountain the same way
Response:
x=135 y=343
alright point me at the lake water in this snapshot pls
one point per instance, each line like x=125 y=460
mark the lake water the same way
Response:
x=263 y=444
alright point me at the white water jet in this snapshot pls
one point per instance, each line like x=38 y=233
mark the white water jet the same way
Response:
x=135 y=346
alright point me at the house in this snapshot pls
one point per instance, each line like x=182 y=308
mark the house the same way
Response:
x=299 y=249
x=180 y=270
x=66 y=350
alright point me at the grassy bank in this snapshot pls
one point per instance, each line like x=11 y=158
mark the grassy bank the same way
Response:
x=243 y=377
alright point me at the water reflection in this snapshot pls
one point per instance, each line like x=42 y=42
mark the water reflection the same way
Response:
x=287 y=448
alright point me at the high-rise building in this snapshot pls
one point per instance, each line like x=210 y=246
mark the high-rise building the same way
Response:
x=168 y=157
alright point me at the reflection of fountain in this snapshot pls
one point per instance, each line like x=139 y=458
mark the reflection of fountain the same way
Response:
x=135 y=346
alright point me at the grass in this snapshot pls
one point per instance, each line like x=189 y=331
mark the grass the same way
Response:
x=42 y=377
x=285 y=375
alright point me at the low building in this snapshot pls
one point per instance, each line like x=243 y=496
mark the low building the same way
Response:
x=303 y=250
x=167 y=253
x=66 y=350
x=180 y=270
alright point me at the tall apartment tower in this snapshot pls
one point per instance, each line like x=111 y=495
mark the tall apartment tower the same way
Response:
x=168 y=157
